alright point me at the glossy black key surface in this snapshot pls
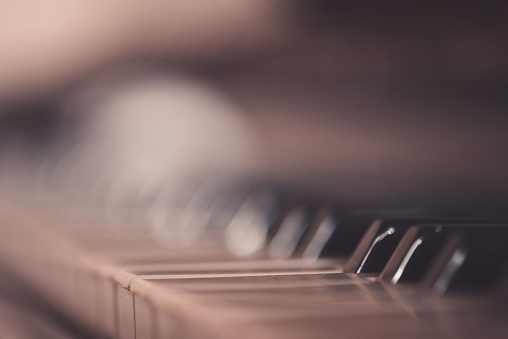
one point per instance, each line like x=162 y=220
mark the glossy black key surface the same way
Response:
x=424 y=247
x=476 y=260
x=346 y=228
x=378 y=245
x=383 y=237
x=292 y=232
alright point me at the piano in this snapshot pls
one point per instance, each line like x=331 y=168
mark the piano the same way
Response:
x=347 y=181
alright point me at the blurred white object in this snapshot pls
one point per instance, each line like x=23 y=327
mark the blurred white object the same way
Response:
x=157 y=133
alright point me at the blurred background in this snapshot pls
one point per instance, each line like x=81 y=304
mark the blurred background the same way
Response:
x=364 y=102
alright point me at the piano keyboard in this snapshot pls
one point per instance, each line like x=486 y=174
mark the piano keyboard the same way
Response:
x=255 y=169
x=321 y=271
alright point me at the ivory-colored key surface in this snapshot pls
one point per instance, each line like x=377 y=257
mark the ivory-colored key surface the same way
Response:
x=125 y=303
x=171 y=286
x=285 y=309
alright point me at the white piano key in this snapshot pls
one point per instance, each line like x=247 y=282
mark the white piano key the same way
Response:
x=125 y=309
x=145 y=320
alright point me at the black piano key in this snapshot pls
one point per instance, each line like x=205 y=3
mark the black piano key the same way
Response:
x=351 y=232
x=413 y=256
x=424 y=247
x=347 y=233
x=336 y=232
x=377 y=246
x=292 y=231
x=475 y=260
x=318 y=236
x=383 y=237
x=253 y=224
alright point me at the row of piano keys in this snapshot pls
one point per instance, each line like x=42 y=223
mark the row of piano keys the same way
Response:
x=407 y=277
